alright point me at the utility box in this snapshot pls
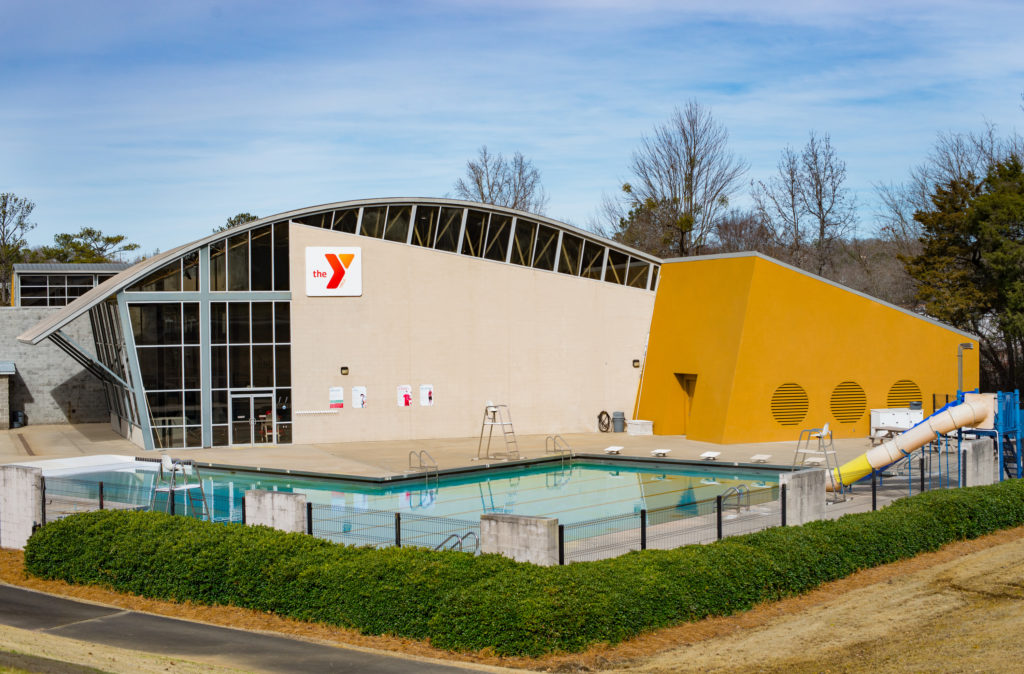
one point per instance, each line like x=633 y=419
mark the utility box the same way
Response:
x=889 y=422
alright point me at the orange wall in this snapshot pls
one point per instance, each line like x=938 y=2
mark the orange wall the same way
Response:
x=746 y=325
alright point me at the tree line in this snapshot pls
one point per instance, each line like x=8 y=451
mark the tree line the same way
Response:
x=947 y=241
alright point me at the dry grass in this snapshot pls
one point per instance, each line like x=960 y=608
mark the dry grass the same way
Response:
x=760 y=638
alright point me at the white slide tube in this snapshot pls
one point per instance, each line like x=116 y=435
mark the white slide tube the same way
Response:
x=976 y=411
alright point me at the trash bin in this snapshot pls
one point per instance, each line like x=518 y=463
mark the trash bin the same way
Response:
x=19 y=418
x=619 y=422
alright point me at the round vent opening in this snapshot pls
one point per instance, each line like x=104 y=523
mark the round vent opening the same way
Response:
x=789 y=404
x=903 y=393
x=848 y=402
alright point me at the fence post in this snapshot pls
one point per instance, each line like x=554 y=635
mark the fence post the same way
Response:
x=920 y=463
x=398 y=530
x=42 y=506
x=561 y=545
x=718 y=514
x=101 y=496
x=643 y=529
x=874 y=490
x=782 y=502
x=243 y=510
x=309 y=518
x=170 y=497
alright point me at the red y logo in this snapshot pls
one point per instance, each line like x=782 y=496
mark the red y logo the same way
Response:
x=339 y=263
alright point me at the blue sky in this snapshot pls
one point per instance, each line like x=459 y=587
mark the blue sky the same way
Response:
x=160 y=120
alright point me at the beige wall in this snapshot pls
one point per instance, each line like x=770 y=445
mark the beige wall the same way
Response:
x=556 y=349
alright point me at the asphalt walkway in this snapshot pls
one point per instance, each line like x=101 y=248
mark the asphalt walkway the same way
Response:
x=31 y=610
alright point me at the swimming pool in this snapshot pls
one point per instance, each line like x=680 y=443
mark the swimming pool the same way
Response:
x=575 y=490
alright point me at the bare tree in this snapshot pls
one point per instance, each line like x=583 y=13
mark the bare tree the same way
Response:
x=684 y=175
x=779 y=205
x=514 y=183
x=14 y=224
x=825 y=198
x=738 y=231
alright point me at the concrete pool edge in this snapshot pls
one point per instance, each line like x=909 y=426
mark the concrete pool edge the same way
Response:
x=484 y=467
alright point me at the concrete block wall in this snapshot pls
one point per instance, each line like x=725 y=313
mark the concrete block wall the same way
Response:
x=520 y=537
x=980 y=462
x=21 y=504
x=50 y=387
x=805 y=495
x=276 y=509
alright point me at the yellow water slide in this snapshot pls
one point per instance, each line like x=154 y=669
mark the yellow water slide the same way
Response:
x=977 y=411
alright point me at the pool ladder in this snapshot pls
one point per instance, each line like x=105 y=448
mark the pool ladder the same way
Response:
x=742 y=495
x=420 y=461
x=457 y=542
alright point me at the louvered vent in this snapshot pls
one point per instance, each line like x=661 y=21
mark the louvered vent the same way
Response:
x=789 y=404
x=903 y=393
x=848 y=402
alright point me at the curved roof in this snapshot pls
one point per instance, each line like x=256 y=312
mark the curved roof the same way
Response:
x=141 y=269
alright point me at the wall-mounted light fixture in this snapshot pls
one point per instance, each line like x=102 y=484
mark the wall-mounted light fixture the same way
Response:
x=344 y=369
x=636 y=362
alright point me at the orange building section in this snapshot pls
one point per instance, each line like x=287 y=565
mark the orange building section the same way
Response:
x=744 y=348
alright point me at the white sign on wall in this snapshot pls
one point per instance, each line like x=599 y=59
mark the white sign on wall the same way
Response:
x=404 y=395
x=359 y=397
x=334 y=271
x=336 y=394
x=426 y=395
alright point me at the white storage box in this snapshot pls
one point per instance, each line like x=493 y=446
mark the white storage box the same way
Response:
x=640 y=427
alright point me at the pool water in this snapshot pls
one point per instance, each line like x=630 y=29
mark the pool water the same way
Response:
x=574 y=491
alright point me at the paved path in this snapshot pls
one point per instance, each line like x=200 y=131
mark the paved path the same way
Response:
x=30 y=610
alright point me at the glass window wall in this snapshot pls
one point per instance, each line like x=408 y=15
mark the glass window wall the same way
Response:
x=545 y=248
x=55 y=290
x=522 y=242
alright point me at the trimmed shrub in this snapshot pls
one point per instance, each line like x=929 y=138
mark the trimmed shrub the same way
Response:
x=462 y=602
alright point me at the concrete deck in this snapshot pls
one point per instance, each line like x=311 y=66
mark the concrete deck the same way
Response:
x=379 y=459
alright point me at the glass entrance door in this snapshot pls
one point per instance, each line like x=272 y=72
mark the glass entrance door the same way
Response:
x=252 y=419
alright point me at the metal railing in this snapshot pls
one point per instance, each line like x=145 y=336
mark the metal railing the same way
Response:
x=674 y=526
x=385 y=528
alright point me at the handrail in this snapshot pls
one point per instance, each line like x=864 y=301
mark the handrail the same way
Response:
x=740 y=492
x=556 y=444
x=460 y=541
x=425 y=463
x=419 y=455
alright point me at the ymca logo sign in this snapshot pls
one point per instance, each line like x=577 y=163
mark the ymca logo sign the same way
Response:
x=334 y=272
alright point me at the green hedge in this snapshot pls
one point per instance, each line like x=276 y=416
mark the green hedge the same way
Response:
x=462 y=602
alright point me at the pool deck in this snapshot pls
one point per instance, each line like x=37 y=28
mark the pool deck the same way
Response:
x=380 y=459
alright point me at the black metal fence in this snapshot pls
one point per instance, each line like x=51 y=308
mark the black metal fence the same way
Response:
x=383 y=528
x=63 y=496
x=672 y=527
